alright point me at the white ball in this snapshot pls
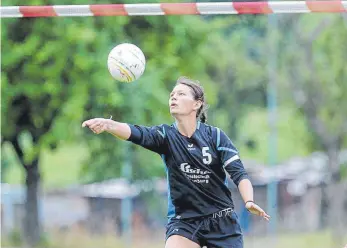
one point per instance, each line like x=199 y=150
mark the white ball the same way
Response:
x=126 y=62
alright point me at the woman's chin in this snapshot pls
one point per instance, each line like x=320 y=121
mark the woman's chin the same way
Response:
x=173 y=112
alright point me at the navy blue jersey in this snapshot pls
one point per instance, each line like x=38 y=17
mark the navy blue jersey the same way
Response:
x=195 y=167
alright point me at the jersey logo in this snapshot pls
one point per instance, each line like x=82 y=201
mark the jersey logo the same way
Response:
x=191 y=147
x=196 y=175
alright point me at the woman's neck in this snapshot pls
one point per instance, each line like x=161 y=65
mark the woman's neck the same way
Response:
x=186 y=126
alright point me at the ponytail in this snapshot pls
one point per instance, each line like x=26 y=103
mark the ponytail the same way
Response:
x=203 y=118
x=202 y=113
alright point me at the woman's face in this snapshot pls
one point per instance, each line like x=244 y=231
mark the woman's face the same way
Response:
x=182 y=101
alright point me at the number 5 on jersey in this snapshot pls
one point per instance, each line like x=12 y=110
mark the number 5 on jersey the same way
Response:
x=207 y=156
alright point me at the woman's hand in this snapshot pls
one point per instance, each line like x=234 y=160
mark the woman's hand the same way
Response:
x=97 y=125
x=255 y=209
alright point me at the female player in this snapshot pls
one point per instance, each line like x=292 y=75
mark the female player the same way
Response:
x=197 y=157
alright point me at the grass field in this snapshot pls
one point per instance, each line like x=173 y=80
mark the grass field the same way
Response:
x=307 y=240
x=83 y=240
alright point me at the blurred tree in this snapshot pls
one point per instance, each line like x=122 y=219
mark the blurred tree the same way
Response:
x=314 y=64
x=239 y=74
x=313 y=60
x=43 y=95
x=48 y=77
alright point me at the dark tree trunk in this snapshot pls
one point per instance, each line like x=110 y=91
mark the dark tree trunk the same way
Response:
x=336 y=195
x=332 y=211
x=324 y=207
x=32 y=228
x=334 y=163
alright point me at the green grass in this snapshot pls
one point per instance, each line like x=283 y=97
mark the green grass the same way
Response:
x=58 y=168
x=80 y=239
x=304 y=240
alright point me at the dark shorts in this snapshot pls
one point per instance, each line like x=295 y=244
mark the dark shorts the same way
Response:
x=221 y=229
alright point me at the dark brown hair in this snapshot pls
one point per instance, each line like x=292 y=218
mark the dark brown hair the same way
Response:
x=199 y=95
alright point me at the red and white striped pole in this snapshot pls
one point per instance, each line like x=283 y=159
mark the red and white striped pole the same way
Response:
x=220 y=8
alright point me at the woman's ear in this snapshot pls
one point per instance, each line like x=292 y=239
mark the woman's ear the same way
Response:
x=197 y=105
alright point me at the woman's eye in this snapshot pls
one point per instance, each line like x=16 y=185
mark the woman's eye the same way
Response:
x=181 y=94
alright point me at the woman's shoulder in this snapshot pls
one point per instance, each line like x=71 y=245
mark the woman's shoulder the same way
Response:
x=209 y=129
x=214 y=131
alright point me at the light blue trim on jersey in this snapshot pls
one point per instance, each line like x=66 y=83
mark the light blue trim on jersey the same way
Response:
x=175 y=125
x=218 y=137
x=171 y=208
x=226 y=181
x=198 y=125
x=162 y=133
x=227 y=149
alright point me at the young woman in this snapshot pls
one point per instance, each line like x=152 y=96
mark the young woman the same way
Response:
x=197 y=157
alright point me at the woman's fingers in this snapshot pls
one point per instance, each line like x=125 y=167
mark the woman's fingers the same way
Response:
x=99 y=129
x=86 y=123
x=255 y=209
x=265 y=215
x=266 y=218
x=89 y=123
x=96 y=125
